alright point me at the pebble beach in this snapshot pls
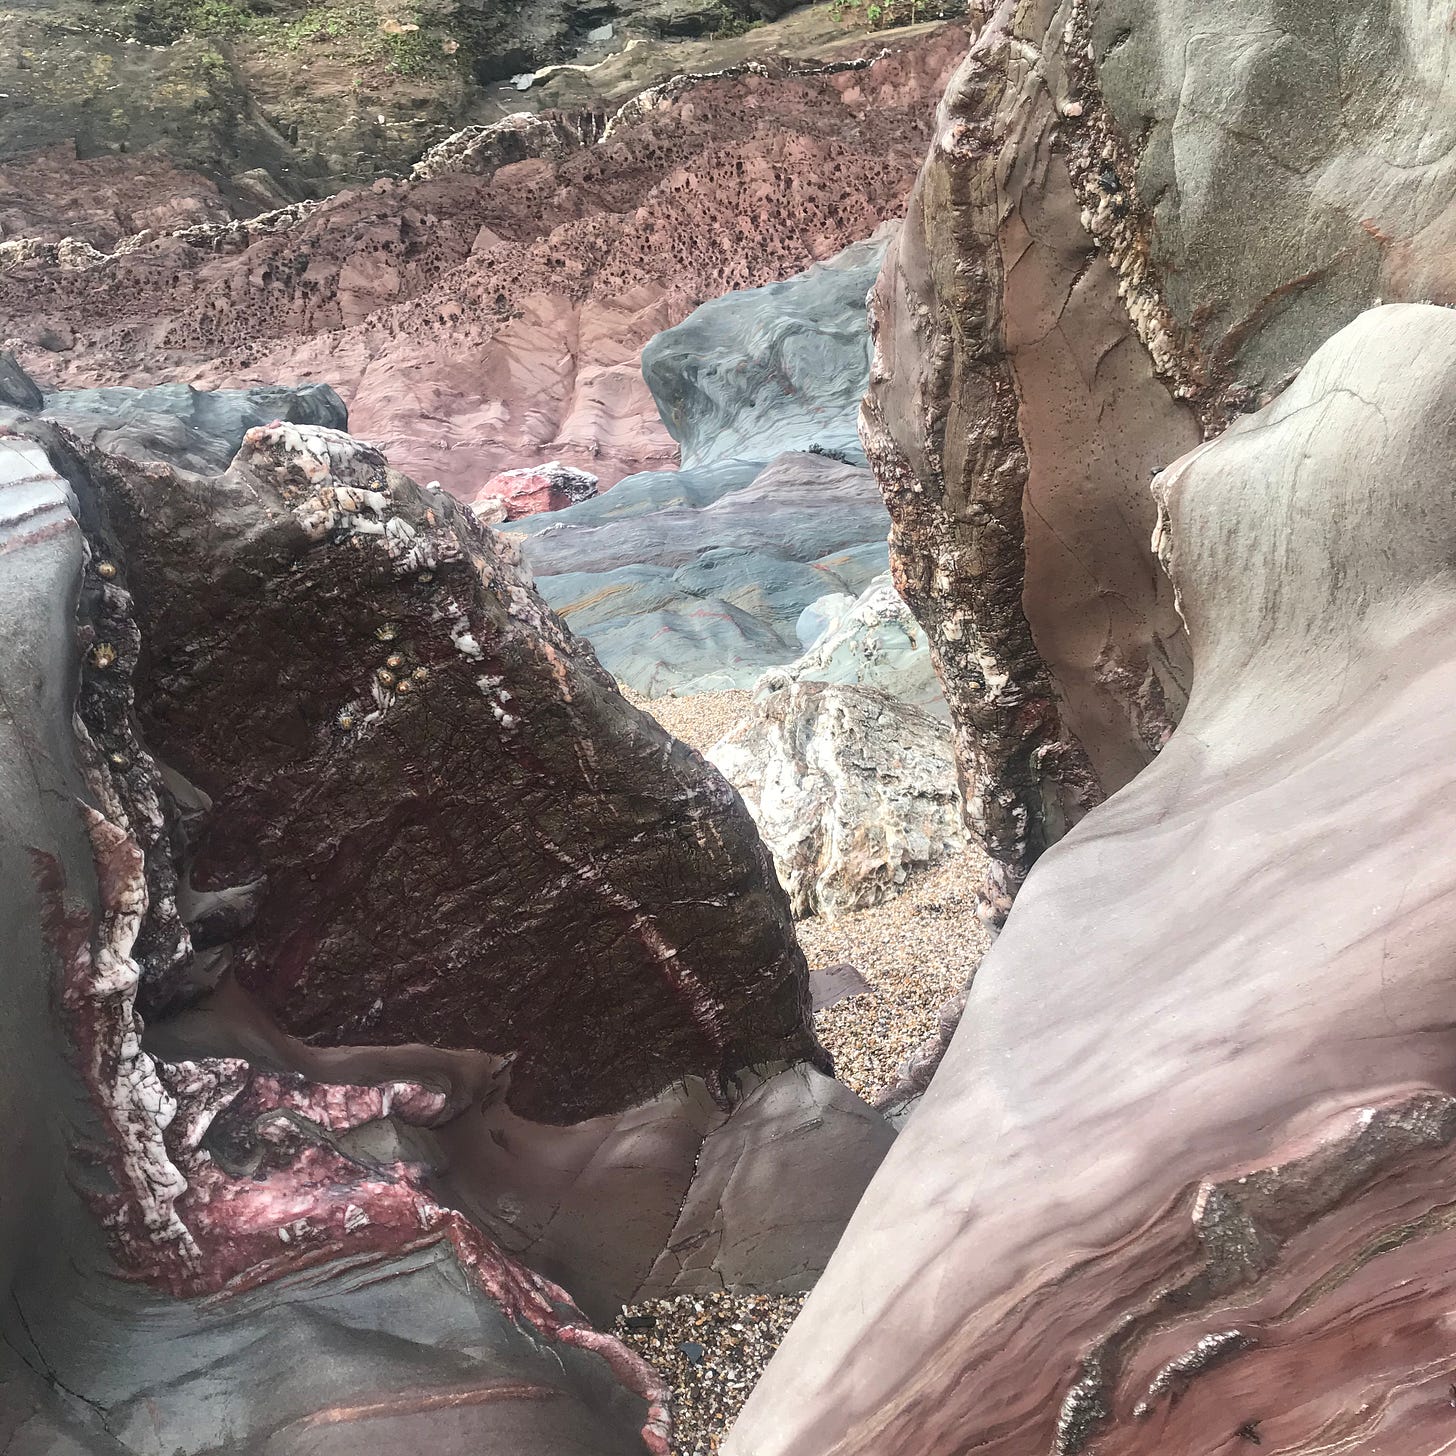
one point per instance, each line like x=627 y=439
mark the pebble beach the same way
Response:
x=916 y=951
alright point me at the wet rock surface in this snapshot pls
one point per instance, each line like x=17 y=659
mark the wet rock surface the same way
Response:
x=1266 y=1249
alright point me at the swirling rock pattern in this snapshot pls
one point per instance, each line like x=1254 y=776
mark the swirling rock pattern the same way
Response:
x=851 y=789
x=1131 y=227
x=1182 y=1180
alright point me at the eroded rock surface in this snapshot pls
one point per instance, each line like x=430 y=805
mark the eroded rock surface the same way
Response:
x=480 y=321
x=850 y=788
x=157 y=1298
x=1131 y=227
x=318 y=707
x=1184 y=1175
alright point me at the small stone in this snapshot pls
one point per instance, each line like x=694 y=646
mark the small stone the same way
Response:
x=692 y=1352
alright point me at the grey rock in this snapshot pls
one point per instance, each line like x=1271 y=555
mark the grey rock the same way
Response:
x=675 y=575
x=829 y=985
x=193 y=429
x=764 y=370
x=873 y=640
x=17 y=389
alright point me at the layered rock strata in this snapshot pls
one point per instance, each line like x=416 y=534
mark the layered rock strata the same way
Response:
x=479 y=321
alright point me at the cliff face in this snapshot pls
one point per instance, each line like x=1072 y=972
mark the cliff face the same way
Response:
x=1130 y=227
x=278 y=99
x=1182 y=1180
x=490 y=314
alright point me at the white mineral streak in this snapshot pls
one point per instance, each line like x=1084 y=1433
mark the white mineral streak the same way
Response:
x=101 y=997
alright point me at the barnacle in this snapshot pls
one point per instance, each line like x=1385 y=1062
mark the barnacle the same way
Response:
x=345 y=719
x=394 y=660
x=404 y=687
x=106 y=569
x=118 y=760
x=427 y=577
x=386 y=632
x=386 y=678
x=103 y=654
x=421 y=673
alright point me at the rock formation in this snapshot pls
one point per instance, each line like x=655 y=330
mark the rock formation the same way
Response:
x=195 y=429
x=1130 y=227
x=549 y=487
x=850 y=788
x=693 y=579
x=873 y=639
x=1181 y=1181
x=345 y=804
x=698 y=578
x=481 y=320
x=750 y=375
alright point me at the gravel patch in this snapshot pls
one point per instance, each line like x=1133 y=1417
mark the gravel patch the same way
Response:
x=700 y=720
x=916 y=951
x=713 y=1348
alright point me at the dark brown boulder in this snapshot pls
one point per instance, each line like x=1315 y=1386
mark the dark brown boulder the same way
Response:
x=451 y=827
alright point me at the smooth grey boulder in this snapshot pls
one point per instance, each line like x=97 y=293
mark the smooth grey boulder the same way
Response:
x=17 y=389
x=764 y=370
x=1185 y=1170
x=194 y=429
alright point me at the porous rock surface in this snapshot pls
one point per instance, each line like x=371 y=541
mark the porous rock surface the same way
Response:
x=850 y=788
x=1133 y=224
x=475 y=322
x=1181 y=1179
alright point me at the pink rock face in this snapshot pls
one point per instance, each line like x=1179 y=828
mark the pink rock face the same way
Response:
x=546 y=487
x=54 y=195
x=476 y=323
x=1182 y=1183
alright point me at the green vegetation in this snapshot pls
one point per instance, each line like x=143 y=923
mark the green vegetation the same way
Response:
x=881 y=14
x=398 y=37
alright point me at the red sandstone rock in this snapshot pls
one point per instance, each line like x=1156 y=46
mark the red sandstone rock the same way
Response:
x=547 y=487
x=475 y=323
